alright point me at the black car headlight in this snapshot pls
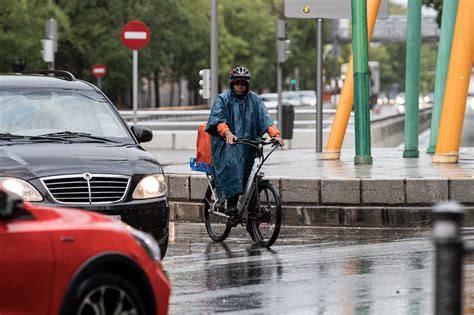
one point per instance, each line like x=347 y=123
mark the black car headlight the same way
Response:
x=152 y=186
x=21 y=188
x=148 y=243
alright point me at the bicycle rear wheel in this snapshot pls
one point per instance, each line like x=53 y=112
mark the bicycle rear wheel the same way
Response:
x=266 y=220
x=216 y=225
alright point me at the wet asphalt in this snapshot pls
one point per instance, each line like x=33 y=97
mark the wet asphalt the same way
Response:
x=313 y=270
x=308 y=271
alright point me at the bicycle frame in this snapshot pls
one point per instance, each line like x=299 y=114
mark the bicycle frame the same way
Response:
x=251 y=184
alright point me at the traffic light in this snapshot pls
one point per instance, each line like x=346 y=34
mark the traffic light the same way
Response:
x=281 y=29
x=205 y=83
x=283 y=44
x=283 y=49
x=293 y=84
x=48 y=50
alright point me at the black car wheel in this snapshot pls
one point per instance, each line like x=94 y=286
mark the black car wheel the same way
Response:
x=104 y=294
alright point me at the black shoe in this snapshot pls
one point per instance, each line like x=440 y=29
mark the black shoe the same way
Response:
x=231 y=211
x=263 y=215
x=232 y=205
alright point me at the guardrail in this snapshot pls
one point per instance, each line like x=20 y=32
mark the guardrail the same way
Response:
x=386 y=132
x=191 y=119
x=174 y=112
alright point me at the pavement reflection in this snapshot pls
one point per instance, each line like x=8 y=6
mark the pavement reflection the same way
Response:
x=308 y=271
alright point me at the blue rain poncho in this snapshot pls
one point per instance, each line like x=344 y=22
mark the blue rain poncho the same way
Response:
x=247 y=117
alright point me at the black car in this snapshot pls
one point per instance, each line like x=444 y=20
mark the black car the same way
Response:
x=63 y=143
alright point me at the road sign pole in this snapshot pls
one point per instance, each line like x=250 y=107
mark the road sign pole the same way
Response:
x=214 y=52
x=279 y=89
x=135 y=35
x=99 y=70
x=319 y=88
x=135 y=85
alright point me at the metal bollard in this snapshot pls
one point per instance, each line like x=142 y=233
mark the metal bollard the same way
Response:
x=449 y=251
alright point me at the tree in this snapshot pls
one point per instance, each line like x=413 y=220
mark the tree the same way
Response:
x=21 y=31
x=437 y=5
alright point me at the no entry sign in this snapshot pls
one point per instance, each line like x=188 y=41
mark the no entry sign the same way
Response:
x=99 y=70
x=135 y=35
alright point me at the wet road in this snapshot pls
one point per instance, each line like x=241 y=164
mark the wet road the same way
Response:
x=308 y=271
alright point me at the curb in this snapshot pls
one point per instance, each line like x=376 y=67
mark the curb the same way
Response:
x=335 y=216
x=367 y=202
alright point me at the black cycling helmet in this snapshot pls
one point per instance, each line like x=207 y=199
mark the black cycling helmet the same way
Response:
x=240 y=74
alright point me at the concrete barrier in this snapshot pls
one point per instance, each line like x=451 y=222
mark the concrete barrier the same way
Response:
x=381 y=202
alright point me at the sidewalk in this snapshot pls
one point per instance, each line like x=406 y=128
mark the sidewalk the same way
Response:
x=306 y=163
x=393 y=191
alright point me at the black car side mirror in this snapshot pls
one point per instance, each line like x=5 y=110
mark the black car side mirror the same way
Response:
x=8 y=204
x=142 y=133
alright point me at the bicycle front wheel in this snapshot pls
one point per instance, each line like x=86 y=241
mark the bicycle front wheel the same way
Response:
x=266 y=220
x=216 y=224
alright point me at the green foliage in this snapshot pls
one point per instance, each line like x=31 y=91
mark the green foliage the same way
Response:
x=392 y=59
x=437 y=5
x=89 y=32
x=21 y=28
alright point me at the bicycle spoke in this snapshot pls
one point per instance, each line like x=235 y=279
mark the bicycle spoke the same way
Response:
x=216 y=225
x=267 y=218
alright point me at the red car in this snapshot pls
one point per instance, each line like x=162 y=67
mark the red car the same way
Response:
x=63 y=261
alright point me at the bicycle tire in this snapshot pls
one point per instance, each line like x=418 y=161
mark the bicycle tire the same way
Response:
x=216 y=226
x=266 y=220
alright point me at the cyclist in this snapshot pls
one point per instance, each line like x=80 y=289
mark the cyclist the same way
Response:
x=236 y=113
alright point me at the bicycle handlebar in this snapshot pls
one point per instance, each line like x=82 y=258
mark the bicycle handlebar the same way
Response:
x=260 y=141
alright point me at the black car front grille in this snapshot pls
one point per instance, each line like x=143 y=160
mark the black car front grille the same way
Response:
x=87 y=188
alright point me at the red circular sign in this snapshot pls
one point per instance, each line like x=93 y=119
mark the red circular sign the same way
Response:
x=135 y=35
x=99 y=70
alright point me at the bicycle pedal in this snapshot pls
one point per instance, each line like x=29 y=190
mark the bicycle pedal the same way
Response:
x=232 y=223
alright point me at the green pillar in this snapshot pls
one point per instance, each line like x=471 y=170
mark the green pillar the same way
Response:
x=361 y=82
x=448 y=22
x=412 y=79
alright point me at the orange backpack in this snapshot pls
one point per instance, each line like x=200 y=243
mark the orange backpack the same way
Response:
x=203 y=145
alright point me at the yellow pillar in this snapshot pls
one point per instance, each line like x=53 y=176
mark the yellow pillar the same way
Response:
x=457 y=85
x=346 y=101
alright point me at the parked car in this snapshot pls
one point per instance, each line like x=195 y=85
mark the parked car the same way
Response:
x=291 y=98
x=401 y=102
x=428 y=98
x=308 y=97
x=65 y=261
x=63 y=143
x=270 y=100
x=382 y=99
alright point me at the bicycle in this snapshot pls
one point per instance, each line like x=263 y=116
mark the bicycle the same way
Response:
x=258 y=208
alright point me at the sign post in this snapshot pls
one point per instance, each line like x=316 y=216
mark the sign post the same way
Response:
x=319 y=10
x=99 y=71
x=135 y=36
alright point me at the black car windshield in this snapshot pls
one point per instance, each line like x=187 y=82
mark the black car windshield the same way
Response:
x=35 y=112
